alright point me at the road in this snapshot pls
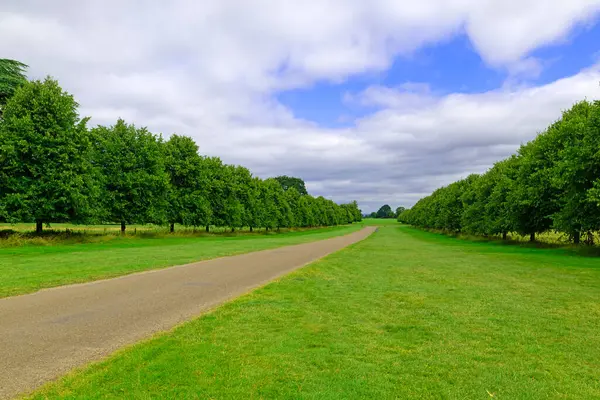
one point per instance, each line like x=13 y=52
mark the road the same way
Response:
x=46 y=334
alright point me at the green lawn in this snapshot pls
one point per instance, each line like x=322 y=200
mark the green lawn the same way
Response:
x=25 y=269
x=381 y=221
x=403 y=314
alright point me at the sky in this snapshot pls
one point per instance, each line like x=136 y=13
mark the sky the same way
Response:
x=379 y=101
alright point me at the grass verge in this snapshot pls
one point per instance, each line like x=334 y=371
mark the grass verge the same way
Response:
x=403 y=314
x=26 y=269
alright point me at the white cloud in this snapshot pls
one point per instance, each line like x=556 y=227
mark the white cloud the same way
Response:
x=210 y=70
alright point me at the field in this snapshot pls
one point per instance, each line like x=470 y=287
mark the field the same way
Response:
x=403 y=314
x=28 y=268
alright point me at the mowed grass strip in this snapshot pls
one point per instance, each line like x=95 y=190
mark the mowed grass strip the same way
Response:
x=26 y=269
x=402 y=314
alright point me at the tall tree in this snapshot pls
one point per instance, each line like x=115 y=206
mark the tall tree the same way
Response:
x=45 y=170
x=533 y=197
x=134 y=180
x=287 y=182
x=575 y=169
x=188 y=189
x=12 y=75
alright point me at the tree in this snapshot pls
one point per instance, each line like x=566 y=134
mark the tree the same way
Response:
x=45 y=170
x=399 y=211
x=533 y=197
x=188 y=189
x=12 y=75
x=575 y=169
x=134 y=179
x=498 y=208
x=254 y=215
x=287 y=182
x=385 y=212
x=214 y=170
x=236 y=193
x=269 y=191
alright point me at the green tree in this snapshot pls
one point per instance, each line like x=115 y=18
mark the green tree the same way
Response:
x=135 y=183
x=12 y=75
x=533 y=197
x=385 y=211
x=498 y=207
x=576 y=167
x=214 y=169
x=188 y=189
x=270 y=189
x=399 y=211
x=237 y=184
x=45 y=170
x=254 y=215
x=287 y=182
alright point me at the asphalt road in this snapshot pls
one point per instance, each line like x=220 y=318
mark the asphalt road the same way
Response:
x=45 y=334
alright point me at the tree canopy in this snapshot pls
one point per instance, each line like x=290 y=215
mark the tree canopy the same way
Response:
x=287 y=182
x=12 y=75
x=551 y=183
x=53 y=169
x=46 y=173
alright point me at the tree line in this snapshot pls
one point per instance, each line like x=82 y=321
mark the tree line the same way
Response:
x=551 y=184
x=53 y=168
x=385 y=211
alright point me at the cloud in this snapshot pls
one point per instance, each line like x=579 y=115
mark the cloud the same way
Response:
x=211 y=70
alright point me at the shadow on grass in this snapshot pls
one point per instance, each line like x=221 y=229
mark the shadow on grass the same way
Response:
x=581 y=250
x=14 y=238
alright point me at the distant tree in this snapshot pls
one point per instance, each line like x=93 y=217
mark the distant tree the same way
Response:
x=399 y=211
x=45 y=170
x=385 y=212
x=135 y=183
x=373 y=215
x=287 y=182
x=12 y=75
x=188 y=189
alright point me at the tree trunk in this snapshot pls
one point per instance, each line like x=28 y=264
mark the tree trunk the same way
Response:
x=250 y=229
x=123 y=227
x=39 y=227
x=532 y=237
x=504 y=235
x=232 y=229
x=207 y=228
x=577 y=238
x=172 y=228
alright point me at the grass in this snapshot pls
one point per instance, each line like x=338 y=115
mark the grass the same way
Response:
x=13 y=235
x=403 y=314
x=107 y=228
x=381 y=221
x=26 y=269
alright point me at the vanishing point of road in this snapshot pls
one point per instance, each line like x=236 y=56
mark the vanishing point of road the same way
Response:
x=45 y=334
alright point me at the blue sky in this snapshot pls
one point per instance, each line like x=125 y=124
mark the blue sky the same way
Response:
x=448 y=67
x=391 y=98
